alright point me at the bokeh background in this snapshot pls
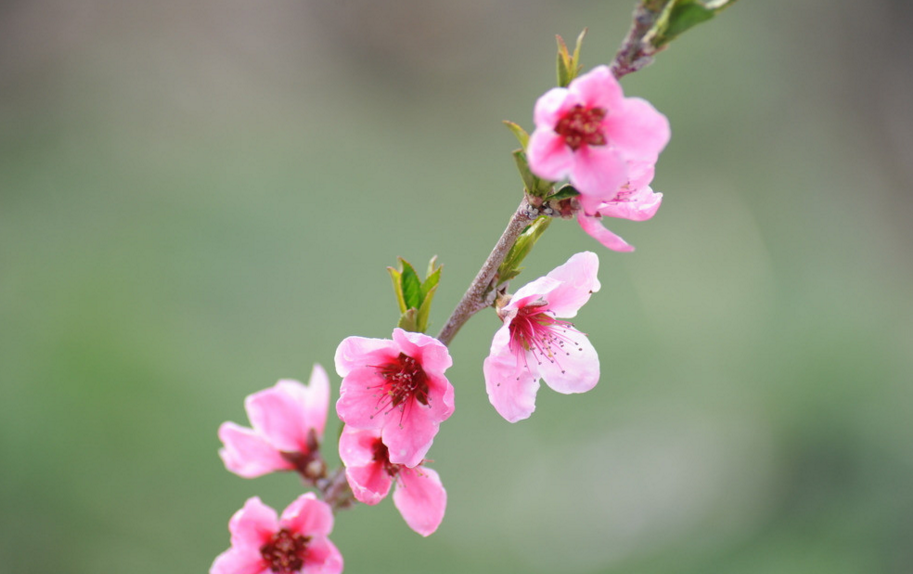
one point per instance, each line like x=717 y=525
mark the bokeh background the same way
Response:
x=198 y=198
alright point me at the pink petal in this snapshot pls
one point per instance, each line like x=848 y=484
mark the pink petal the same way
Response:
x=322 y=557
x=355 y=352
x=639 y=207
x=308 y=516
x=248 y=454
x=253 y=525
x=245 y=560
x=593 y=226
x=421 y=499
x=370 y=484
x=409 y=438
x=356 y=447
x=578 y=281
x=278 y=414
x=548 y=156
x=551 y=106
x=368 y=478
x=317 y=399
x=575 y=371
x=529 y=294
x=430 y=353
x=598 y=171
x=637 y=130
x=511 y=387
x=598 y=89
x=359 y=404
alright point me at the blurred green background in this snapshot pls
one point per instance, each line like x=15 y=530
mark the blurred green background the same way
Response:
x=197 y=199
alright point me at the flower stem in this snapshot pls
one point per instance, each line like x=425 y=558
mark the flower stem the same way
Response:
x=480 y=293
x=635 y=53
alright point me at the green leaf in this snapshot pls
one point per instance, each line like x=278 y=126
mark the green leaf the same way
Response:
x=398 y=288
x=682 y=15
x=412 y=286
x=510 y=267
x=407 y=321
x=518 y=132
x=565 y=192
x=564 y=64
x=421 y=318
x=534 y=185
x=430 y=283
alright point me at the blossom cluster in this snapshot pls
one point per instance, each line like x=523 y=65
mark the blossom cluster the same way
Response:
x=394 y=393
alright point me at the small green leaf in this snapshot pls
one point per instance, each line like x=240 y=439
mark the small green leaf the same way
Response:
x=518 y=132
x=576 y=57
x=398 y=288
x=412 y=287
x=421 y=317
x=682 y=15
x=510 y=267
x=430 y=283
x=407 y=321
x=534 y=185
x=565 y=192
x=564 y=64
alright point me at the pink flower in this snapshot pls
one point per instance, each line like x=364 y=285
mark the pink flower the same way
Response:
x=588 y=132
x=635 y=200
x=261 y=543
x=534 y=343
x=287 y=420
x=419 y=496
x=397 y=387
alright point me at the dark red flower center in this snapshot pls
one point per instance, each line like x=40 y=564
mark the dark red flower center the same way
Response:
x=284 y=552
x=535 y=331
x=582 y=126
x=382 y=455
x=404 y=379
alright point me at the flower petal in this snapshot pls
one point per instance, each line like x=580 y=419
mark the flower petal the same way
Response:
x=368 y=478
x=428 y=351
x=578 y=281
x=322 y=557
x=317 y=400
x=355 y=352
x=370 y=483
x=548 y=156
x=277 y=413
x=575 y=371
x=637 y=130
x=421 y=499
x=253 y=525
x=248 y=454
x=409 y=438
x=511 y=387
x=551 y=106
x=359 y=404
x=598 y=171
x=239 y=561
x=308 y=516
x=598 y=88
x=593 y=226
x=530 y=293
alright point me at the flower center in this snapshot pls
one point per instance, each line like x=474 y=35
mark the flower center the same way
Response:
x=582 y=126
x=284 y=552
x=382 y=455
x=403 y=380
x=541 y=334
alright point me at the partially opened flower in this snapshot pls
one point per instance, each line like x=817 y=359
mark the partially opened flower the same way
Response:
x=397 y=387
x=534 y=342
x=635 y=200
x=287 y=420
x=589 y=132
x=262 y=543
x=419 y=496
